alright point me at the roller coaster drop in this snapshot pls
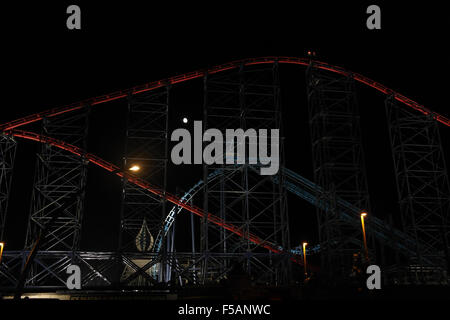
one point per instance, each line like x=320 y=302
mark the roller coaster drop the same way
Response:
x=246 y=205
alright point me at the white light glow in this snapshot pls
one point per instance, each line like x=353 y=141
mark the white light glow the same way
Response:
x=135 y=168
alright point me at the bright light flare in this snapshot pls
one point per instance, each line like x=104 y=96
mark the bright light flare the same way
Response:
x=185 y=120
x=304 y=258
x=2 y=244
x=363 y=215
x=135 y=168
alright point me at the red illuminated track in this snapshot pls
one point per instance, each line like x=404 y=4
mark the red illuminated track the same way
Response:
x=228 y=66
x=147 y=186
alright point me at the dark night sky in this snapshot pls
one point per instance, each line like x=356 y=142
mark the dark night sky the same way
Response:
x=121 y=45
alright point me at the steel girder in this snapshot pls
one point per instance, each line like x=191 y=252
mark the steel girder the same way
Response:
x=308 y=191
x=422 y=183
x=244 y=98
x=96 y=266
x=338 y=163
x=147 y=147
x=59 y=185
x=8 y=148
x=57 y=202
x=145 y=185
x=97 y=269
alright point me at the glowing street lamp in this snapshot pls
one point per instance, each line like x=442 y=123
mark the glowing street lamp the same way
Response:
x=304 y=257
x=134 y=168
x=363 y=215
x=2 y=244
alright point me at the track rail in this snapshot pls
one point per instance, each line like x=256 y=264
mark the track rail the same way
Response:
x=147 y=186
x=307 y=190
x=223 y=67
x=10 y=127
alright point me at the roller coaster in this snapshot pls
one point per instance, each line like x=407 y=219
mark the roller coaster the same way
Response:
x=244 y=218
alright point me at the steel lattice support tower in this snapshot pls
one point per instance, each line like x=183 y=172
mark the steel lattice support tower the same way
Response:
x=422 y=182
x=248 y=99
x=7 y=155
x=147 y=147
x=338 y=163
x=57 y=202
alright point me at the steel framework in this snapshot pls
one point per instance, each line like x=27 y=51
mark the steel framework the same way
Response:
x=251 y=226
x=97 y=266
x=146 y=147
x=338 y=163
x=57 y=202
x=8 y=148
x=422 y=183
x=244 y=98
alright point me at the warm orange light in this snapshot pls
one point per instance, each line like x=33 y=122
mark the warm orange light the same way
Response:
x=135 y=168
x=2 y=244
x=304 y=257
x=363 y=215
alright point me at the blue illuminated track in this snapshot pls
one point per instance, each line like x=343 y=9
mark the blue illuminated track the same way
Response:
x=309 y=191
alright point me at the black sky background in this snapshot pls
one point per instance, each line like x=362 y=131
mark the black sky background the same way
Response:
x=129 y=43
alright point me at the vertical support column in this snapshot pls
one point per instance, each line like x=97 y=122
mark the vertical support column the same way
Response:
x=204 y=225
x=59 y=186
x=146 y=147
x=57 y=202
x=247 y=99
x=338 y=164
x=194 y=271
x=422 y=182
x=280 y=213
x=8 y=148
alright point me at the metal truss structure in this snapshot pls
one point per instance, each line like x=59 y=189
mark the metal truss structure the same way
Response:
x=338 y=162
x=314 y=194
x=57 y=203
x=97 y=267
x=243 y=219
x=146 y=147
x=245 y=98
x=8 y=148
x=422 y=184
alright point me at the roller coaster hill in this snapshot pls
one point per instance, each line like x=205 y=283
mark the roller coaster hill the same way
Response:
x=232 y=220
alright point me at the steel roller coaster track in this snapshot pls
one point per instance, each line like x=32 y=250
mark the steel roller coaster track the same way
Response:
x=227 y=66
x=145 y=185
x=10 y=128
x=307 y=191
